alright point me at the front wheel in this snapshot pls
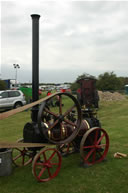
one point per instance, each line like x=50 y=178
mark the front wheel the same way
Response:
x=46 y=164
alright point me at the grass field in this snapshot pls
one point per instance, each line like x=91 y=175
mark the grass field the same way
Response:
x=110 y=176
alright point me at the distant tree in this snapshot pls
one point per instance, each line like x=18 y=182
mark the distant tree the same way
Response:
x=108 y=81
x=2 y=85
x=67 y=82
x=85 y=75
x=124 y=81
x=75 y=85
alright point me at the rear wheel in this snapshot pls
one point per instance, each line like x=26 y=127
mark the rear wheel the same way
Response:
x=94 y=146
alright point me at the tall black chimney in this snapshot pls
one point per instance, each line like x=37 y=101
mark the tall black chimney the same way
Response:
x=35 y=64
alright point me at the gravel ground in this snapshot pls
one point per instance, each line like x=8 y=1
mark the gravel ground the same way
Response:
x=108 y=96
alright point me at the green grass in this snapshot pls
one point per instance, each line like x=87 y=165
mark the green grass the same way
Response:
x=110 y=176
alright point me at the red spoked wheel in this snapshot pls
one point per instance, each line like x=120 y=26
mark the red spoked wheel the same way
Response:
x=67 y=149
x=21 y=156
x=94 y=146
x=46 y=164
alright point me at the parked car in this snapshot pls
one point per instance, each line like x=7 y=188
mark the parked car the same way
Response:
x=11 y=99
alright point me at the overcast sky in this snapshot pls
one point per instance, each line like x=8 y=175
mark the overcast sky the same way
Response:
x=76 y=37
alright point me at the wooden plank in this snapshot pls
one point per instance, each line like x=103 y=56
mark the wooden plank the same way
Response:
x=18 y=145
x=20 y=109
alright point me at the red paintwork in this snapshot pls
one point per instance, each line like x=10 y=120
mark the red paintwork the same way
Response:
x=46 y=164
x=96 y=151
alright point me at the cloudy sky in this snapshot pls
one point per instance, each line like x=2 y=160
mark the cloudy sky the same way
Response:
x=76 y=37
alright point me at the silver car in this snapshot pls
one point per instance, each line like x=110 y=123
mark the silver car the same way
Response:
x=11 y=99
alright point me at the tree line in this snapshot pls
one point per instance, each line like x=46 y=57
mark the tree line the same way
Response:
x=107 y=81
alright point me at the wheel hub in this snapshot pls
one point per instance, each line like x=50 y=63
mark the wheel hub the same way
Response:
x=48 y=165
x=61 y=118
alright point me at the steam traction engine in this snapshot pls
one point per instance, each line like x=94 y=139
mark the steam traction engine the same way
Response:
x=67 y=127
x=61 y=123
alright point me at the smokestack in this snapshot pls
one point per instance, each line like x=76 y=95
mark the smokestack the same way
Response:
x=35 y=64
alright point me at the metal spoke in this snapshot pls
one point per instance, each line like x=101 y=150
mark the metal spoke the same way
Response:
x=60 y=105
x=19 y=149
x=68 y=111
x=52 y=156
x=52 y=113
x=18 y=156
x=89 y=154
x=90 y=146
x=53 y=125
x=96 y=135
x=45 y=159
x=39 y=164
x=50 y=175
x=100 y=139
x=70 y=123
x=41 y=172
x=101 y=145
x=29 y=161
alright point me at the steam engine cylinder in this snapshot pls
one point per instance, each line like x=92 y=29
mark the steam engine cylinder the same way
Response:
x=31 y=134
